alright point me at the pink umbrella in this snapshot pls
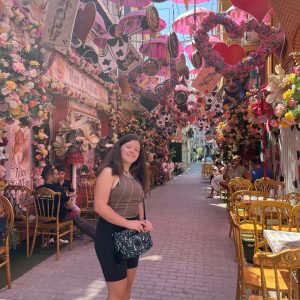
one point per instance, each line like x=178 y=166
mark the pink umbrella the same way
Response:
x=194 y=71
x=191 y=17
x=239 y=15
x=157 y=48
x=133 y=3
x=133 y=22
x=181 y=87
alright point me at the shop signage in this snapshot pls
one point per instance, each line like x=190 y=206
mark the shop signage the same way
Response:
x=62 y=71
x=59 y=24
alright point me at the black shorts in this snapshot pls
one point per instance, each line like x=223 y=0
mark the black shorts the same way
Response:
x=114 y=267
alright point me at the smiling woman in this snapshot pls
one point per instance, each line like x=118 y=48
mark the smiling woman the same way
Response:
x=119 y=197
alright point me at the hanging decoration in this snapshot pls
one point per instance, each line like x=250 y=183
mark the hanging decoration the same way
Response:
x=173 y=44
x=76 y=135
x=266 y=33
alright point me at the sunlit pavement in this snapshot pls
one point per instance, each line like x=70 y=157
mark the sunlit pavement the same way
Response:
x=192 y=257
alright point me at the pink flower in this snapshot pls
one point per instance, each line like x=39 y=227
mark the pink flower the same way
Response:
x=292 y=103
x=18 y=67
x=279 y=109
x=32 y=73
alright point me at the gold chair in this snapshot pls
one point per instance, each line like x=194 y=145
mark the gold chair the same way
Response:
x=207 y=170
x=235 y=185
x=249 y=277
x=267 y=185
x=273 y=215
x=22 y=202
x=47 y=207
x=289 y=258
x=7 y=212
x=87 y=200
x=292 y=198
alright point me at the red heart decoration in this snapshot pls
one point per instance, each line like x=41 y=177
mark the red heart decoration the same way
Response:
x=232 y=54
x=257 y=8
x=84 y=21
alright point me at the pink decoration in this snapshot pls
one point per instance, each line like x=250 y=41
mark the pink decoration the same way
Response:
x=132 y=22
x=257 y=8
x=191 y=18
x=232 y=54
x=133 y=3
x=267 y=35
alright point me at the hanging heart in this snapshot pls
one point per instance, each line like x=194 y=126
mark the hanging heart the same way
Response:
x=231 y=54
x=257 y=8
x=266 y=33
x=84 y=21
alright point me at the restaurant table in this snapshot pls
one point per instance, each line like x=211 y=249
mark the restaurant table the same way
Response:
x=282 y=240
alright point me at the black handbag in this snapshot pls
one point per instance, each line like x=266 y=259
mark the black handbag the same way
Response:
x=130 y=243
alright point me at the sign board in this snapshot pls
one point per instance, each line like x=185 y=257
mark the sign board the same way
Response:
x=64 y=72
x=59 y=24
x=19 y=155
x=206 y=80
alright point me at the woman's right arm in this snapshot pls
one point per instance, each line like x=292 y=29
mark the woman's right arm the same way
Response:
x=103 y=188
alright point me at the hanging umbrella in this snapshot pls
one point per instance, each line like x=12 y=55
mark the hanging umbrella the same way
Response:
x=157 y=48
x=186 y=2
x=132 y=3
x=136 y=21
x=191 y=17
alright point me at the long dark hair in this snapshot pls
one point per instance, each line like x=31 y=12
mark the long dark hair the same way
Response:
x=113 y=160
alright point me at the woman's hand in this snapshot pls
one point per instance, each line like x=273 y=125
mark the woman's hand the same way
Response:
x=136 y=225
x=148 y=226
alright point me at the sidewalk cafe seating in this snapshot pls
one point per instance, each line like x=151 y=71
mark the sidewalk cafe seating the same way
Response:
x=21 y=199
x=291 y=260
x=87 y=199
x=7 y=215
x=47 y=205
x=249 y=277
x=271 y=187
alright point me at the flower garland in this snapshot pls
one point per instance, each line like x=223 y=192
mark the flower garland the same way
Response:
x=285 y=96
x=266 y=33
x=41 y=150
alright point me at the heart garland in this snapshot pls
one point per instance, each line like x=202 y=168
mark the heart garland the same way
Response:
x=148 y=94
x=266 y=33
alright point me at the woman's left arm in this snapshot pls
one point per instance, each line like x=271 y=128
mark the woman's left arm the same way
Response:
x=148 y=225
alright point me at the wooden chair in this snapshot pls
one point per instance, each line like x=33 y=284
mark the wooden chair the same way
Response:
x=22 y=202
x=235 y=185
x=249 y=277
x=87 y=200
x=273 y=215
x=7 y=212
x=47 y=207
x=267 y=185
x=207 y=170
x=292 y=198
x=291 y=259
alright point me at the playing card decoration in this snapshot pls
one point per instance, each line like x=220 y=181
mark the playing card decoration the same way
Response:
x=173 y=44
x=214 y=103
x=204 y=126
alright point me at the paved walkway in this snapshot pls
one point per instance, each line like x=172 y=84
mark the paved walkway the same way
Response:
x=192 y=257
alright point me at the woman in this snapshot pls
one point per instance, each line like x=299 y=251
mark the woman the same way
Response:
x=119 y=196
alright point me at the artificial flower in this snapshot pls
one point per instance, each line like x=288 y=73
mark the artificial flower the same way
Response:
x=34 y=63
x=10 y=85
x=287 y=95
x=61 y=145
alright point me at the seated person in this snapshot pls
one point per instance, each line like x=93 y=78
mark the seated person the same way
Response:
x=66 y=184
x=258 y=170
x=217 y=171
x=68 y=210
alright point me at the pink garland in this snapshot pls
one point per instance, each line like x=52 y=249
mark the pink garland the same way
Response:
x=266 y=33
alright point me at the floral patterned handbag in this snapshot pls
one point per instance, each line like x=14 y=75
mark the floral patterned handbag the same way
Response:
x=130 y=243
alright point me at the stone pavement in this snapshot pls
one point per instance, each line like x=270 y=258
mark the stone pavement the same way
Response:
x=192 y=257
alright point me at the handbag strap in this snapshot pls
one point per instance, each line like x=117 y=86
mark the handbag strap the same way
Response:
x=144 y=209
